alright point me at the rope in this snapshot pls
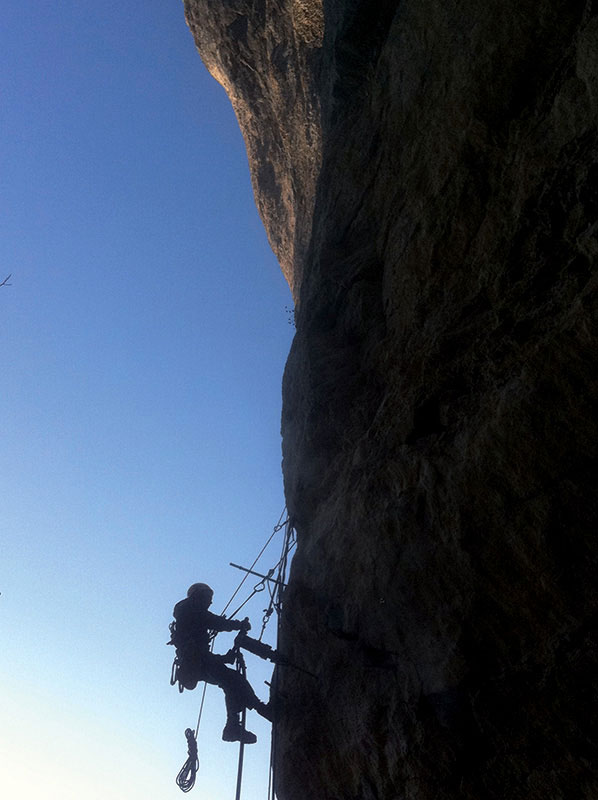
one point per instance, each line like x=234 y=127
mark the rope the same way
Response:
x=185 y=780
x=257 y=588
x=203 y=697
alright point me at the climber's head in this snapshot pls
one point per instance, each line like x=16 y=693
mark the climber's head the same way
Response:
x=201 y=593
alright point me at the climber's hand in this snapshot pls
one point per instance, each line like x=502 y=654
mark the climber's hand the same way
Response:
x=245 y=625
x=229 y=658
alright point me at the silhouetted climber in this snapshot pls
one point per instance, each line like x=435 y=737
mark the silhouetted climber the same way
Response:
x=191 y=634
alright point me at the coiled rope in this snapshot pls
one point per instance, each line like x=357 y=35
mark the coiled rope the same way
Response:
x=185 y=780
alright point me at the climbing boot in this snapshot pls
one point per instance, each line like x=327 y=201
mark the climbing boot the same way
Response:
x=235 y=732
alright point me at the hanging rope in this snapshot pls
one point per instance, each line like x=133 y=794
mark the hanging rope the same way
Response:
x=203 y=697
x=185 y=780
x=259 y=587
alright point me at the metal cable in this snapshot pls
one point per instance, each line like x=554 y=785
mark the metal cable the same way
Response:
x=277 y=527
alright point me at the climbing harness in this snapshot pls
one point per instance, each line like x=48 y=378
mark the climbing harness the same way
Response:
x=275 y=586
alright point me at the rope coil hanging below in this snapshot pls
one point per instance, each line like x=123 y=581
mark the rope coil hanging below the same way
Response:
x=185 y=780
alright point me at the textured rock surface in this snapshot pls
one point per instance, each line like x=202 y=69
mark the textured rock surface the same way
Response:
x=428 y=174
x=266 y=55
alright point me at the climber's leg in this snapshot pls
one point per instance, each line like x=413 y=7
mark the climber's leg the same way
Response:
x=238 y=695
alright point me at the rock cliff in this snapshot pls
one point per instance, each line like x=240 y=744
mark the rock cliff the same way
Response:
x=427 y=172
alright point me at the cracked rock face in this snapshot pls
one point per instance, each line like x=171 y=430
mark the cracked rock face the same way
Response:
x=428 y=175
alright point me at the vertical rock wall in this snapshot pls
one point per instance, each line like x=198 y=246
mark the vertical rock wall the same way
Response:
x=434 y=200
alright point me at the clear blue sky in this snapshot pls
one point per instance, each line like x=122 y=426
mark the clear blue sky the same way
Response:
x=142 y=345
